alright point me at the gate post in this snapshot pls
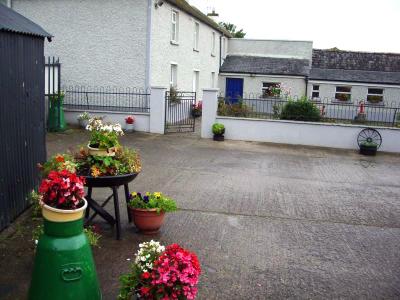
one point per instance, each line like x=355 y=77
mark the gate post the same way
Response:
x=157 y=109
x=209 y=111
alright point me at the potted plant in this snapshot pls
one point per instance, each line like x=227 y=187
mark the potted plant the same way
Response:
x=218 y=130
x=160 y=272
x=197 y=109
x=83 y=120
x=129 y=127
x=368 y=148
x=103 y=137
x=148 y=210
x=62 y=196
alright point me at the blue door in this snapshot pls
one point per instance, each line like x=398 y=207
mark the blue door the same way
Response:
x=234 y=89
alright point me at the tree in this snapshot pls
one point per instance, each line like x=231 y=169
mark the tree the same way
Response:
x=232 y=29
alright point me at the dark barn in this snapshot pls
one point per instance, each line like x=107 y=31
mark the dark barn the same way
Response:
x=22 y=111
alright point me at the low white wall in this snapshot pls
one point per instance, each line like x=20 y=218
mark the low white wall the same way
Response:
x=142 y=120
x=304 y=133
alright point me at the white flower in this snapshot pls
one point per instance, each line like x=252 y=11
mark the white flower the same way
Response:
x=143 y=258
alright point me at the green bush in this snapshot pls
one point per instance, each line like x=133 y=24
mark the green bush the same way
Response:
x=218 y=128
x=300 y=110
x=237 y=109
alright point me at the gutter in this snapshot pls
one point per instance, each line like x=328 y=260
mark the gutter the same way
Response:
x=148 y=45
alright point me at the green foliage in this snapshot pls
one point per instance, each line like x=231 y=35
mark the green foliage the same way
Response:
x=57 y=97
x=238 y=109
x=174 y=96
x=300 y=110
x=218 y=128
x=58 y=162
x=232 y=29
x=152 y=200
x=128 y=283
x=34 y=200
x=103 y=136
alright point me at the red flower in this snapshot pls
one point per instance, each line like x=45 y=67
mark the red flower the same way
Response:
x=130 y=120
x=146 y=275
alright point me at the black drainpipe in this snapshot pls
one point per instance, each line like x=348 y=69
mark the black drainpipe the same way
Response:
x=306 y=86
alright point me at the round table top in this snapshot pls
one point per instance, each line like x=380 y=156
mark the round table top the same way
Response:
x=109 y=181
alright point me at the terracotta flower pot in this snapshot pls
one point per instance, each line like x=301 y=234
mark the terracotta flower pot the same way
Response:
x=63 y=215
x=101 y=152
x=148 y=221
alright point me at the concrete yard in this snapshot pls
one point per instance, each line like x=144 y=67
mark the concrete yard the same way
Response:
x=267 y=221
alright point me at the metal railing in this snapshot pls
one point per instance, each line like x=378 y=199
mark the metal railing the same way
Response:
x=107 y=99
x=333 y=111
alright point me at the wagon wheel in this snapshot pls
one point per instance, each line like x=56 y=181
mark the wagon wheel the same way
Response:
x=369 y=135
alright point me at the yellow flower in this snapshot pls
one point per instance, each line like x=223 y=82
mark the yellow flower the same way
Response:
x=148 y=194
x=133 y=194
x=95 y=171
x=157 y=194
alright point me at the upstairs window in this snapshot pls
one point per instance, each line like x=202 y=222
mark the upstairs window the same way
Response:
x=271 y=89
x=175 y=26
x=315 y=92
x=213 y=43
x=174 y=75
x=196 y=36
x=375 y=95
x=343 y=93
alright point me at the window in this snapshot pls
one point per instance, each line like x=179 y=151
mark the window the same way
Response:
x=175 y=26
x=213 y=79
x=343 y=93
x=375 y=95
x=213 y=44
x=196 y=75
x=271 y=89
x=174 y=75
x=196 y=36
x=315 y=92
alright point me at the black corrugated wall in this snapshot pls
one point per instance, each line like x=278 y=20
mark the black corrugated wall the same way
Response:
x=22 y=128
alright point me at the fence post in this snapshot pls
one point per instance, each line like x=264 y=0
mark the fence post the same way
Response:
x=157 y=109
x=209 y=111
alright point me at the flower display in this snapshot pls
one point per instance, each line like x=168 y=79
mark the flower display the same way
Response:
x=103 y=136
x=62 y=189
x=130 y=120
x=58 y=162
x=162 y=273
x=154 y=200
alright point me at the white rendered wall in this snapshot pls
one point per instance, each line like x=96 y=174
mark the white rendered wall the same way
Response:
x=272 y=48
x=359 y=91
x=304 y=133
x=99 y=42
x=142 y=120
x=253 y=84
x=164 y=53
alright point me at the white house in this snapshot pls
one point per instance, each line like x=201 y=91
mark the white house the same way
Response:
x=131 y=43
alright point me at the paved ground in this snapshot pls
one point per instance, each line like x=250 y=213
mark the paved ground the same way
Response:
x=268 y=222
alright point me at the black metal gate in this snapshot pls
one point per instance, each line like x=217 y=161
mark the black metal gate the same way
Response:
x=178 y=111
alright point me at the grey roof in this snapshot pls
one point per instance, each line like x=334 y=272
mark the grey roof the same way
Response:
x=349 y=66
x=265 y=65
x=12 y=21
x=355 y=76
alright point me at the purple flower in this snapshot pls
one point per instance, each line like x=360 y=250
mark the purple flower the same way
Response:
x=139 y=195
x=146 y=199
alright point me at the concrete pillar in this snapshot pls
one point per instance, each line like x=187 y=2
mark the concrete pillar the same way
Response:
x=157 y=109
x=209 y=112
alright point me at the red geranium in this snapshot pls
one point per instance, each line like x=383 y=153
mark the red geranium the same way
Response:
x=62 y=189
x=130 y=120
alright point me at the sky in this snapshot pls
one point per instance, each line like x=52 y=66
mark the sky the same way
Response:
x=358 y=25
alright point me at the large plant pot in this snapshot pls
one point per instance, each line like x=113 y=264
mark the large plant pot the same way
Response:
x=218 y=137
x=368 y=150
x=101 y=152
x=64 y=267
x=129 y=127
x=148 y=221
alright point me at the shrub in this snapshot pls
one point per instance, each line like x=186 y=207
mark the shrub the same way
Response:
x=238 y=109
x=218 y=128
x=300 y=110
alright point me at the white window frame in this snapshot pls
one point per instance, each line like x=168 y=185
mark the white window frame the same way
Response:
x=213 y=43
x=196 y=81
x=375 y=95
x=173 y=81
x=174 y=27
x=343 y=93
x=264 y=88
x=315 y=90
x=196 y=36
x=213 y=79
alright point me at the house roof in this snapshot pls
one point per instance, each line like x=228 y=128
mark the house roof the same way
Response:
x=351 y=66
x=265 y=65
x=12 y=21
x=193 y=11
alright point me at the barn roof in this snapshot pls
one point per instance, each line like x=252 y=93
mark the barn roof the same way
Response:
x=12 y=21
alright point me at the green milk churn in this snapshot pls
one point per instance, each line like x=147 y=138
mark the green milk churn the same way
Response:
x=64 y=267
